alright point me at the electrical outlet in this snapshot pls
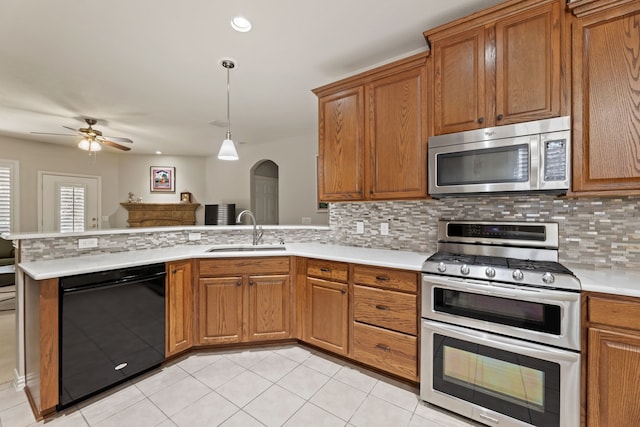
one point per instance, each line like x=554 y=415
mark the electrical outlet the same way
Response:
x=194 y=236
x=359 y=227
x=384 y=229
x=88 y=243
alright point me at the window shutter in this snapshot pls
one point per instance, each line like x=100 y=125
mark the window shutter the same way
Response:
x=72 y=208
x=5 y=199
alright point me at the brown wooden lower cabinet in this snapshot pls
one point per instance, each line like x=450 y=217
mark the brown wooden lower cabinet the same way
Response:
x=328 y=315
x=390 y=351
x=250 y=300
x=613 y=360
x=179 y=307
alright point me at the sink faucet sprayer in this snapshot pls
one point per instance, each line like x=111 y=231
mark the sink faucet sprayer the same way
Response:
x=257 y=233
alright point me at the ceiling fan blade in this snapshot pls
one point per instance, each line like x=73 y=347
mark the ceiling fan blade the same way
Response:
x=71 y=129
x=48 y=133
x=114 y=145
x=115 y=138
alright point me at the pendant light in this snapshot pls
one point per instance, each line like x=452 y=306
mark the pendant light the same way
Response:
x=228 y=148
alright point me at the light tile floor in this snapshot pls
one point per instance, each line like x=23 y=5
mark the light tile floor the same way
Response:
x=275 y=386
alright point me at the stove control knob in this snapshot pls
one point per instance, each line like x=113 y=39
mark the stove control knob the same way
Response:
x=548 y=278
x=518 y=275
x=490 y=272
x=464 y=270
x=442 y=267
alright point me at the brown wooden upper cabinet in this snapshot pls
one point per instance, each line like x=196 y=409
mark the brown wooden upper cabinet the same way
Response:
x=498 y=66
x=372 y=134
x=606 y=97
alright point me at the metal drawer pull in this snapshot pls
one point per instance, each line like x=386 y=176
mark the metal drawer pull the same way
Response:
x=383 y=347
x=382 y=307
x=342 y=291
x=238 y=284
x=325 y=270
x=382 y=278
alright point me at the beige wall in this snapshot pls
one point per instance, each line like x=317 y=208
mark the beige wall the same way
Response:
x=208 y=179
x=229 y=182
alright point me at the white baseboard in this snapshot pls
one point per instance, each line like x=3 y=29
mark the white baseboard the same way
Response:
x=18 y=380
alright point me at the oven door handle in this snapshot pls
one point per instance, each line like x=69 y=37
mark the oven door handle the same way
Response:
x=503 y=343
x=501 y=290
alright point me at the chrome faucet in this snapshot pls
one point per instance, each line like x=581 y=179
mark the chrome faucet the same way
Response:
x=257 y=234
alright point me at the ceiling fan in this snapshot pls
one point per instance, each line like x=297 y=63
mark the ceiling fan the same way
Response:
x=92 y=138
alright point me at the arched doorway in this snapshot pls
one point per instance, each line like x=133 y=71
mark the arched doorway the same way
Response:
x=264 y=192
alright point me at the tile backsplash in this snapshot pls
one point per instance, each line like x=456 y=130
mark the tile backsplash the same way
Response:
x=599 y=232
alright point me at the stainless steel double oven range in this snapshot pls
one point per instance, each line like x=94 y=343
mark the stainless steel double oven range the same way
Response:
x=501 y=325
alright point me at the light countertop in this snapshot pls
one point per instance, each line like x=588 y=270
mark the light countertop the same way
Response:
x=48 y=269
x=613 y=281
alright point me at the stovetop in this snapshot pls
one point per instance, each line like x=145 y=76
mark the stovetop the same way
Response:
x=547 y=274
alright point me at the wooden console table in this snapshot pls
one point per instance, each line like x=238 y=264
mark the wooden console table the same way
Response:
x=161 y=214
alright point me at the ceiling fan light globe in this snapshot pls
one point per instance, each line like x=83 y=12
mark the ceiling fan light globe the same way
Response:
x=84 y=144
x=95 y=146
x=228 y=151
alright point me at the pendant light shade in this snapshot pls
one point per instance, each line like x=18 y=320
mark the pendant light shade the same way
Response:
x=228 y=148
x=89 y=145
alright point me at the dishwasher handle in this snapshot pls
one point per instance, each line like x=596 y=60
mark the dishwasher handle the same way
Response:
x=111 y=284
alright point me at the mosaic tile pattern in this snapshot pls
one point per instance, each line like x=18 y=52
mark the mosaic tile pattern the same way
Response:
x=67 y=247
x=603 y=232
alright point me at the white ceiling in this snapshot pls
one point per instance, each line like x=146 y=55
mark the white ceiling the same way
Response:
x=150 y=70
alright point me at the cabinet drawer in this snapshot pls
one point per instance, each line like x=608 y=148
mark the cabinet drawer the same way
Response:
x=388 y=309
x=386 y=278
x=387 y=350
x=621 y=313
x=330 y=270
x=249 y=265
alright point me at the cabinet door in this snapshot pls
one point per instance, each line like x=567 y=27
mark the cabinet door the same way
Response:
x=268 y=309
x=341 y=146
x=220 y=310
x=459 y=82
x=397 y=143
x=179 y=317
x=328 y=311
x=606 y=100
x=527 y=52
x=613 y=385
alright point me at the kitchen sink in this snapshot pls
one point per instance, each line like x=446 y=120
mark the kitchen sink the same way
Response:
x=247 y=249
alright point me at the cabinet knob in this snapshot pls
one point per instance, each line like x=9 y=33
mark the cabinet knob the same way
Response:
x=174 y=271
x=238 y=283
x=250 y=283
x=499 y=117
x=383 y=347
x=342 y=291
x=481 y=120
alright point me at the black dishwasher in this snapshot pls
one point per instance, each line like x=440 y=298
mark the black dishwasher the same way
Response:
x=112 y=327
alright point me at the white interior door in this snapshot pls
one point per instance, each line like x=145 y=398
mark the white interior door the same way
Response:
x=69 y=203
x=266 y=200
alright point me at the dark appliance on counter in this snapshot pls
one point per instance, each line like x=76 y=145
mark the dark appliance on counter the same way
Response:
x=223 y=214
x=112 y=327
x=500 y=338
x=523 y=157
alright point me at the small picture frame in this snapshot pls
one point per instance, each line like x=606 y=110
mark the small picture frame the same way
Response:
x=163 y=179
x=185 y=197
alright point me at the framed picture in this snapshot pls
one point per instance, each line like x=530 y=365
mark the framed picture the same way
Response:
x=163 y=179
x=185 y=197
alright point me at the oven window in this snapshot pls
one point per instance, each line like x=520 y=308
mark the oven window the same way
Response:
x=534 y=316
x=519 y=386
x=490 y=165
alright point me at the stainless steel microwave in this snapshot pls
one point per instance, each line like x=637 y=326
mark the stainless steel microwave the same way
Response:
x=530 y=156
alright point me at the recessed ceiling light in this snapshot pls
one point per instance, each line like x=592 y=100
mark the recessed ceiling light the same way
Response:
x=241 y=24
x=158 y=152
